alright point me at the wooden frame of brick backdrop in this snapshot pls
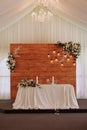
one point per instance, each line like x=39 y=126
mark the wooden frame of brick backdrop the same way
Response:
x=32 y=61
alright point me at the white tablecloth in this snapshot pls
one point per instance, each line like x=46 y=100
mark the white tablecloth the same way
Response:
x=56 y=96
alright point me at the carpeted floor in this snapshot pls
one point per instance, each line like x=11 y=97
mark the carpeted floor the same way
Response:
x=42 y=121
x=6 y=107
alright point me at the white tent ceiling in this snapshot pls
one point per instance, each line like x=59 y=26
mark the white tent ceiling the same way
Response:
x=73 y=9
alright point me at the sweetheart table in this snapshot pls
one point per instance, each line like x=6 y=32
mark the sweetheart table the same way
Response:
x=47 y=96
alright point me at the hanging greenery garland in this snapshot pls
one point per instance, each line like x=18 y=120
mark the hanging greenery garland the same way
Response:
x=11 y=62
x=73 y=48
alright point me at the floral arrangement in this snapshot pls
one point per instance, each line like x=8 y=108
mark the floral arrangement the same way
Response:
x=11 y=62
x=27 y=83
x=73 y=48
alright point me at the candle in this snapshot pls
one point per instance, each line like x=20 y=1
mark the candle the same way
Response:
x=36 y=79
x=52 y=79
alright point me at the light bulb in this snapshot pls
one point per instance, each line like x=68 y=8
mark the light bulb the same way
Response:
x=62 y=64
x=48 y=55
x=74 y=64
x=54 y=52
x=56 y=59
x=65 y=55
x=58 y=53
x=51 y=61
x=68 y=59
x=70 y=56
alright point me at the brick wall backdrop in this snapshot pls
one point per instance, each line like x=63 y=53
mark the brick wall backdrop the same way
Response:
x=32 y=61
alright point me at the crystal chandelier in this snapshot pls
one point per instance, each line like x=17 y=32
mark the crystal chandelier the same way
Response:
x=42 y=13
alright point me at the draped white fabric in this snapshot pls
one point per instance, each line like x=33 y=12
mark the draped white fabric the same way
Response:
x=62 y=27
x=51 y=96
x=82 y=74
x=4 y=80
x=10 y=9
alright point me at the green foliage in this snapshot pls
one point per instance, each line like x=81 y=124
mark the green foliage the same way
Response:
x=73 y=48
x=11 y=62
x=27 y=83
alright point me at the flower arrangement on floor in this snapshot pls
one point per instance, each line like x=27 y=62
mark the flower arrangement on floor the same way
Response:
x=73 y=48
x=11 y=62
x=27 y=83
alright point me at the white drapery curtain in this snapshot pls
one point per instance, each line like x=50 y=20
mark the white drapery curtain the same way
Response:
x=81 y=74
x=4 y=80
x=56 y=29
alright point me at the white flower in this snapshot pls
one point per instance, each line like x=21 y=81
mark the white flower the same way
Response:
x=73 y=48
x=27 y=83
x=11 y=62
